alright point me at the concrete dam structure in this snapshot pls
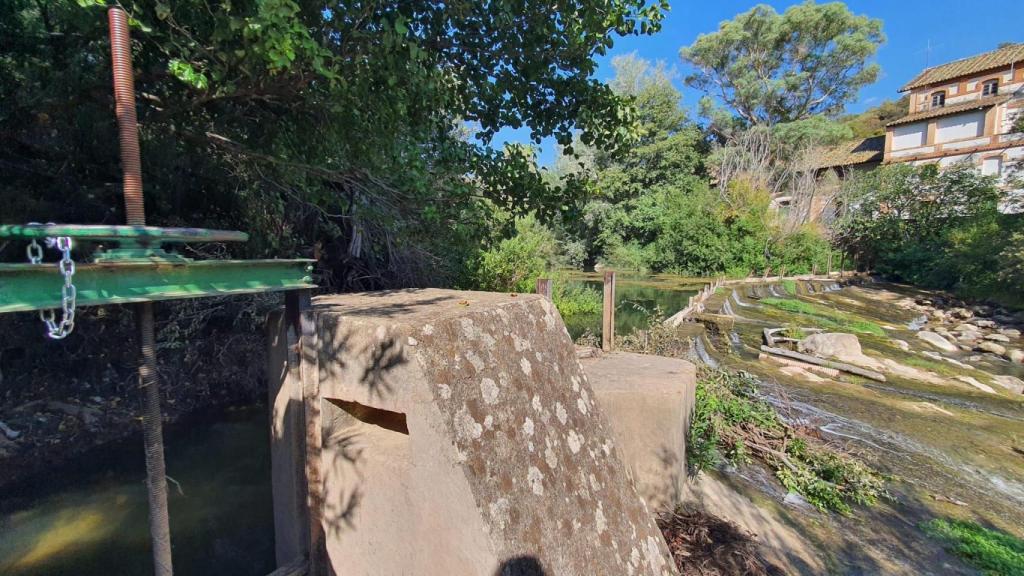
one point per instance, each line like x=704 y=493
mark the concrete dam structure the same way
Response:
x=439 y=432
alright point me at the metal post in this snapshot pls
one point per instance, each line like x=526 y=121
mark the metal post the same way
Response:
x=608 y=318
x=544 y=287
x=152 y=435
x=152 y=421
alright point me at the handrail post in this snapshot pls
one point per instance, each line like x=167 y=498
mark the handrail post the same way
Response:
x=608 y=318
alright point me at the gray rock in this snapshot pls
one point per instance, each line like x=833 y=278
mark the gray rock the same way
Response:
x=983 y=323
x=1010 y=332
x=901 y=344
x=1015 y=356
x=996 y=338
x=992 y=347
x=1011 y=383
x=936 y=341
x=962 y=313
x=831 y=345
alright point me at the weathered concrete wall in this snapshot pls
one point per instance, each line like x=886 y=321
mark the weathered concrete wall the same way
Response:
x=461 y=436
x=649 y=401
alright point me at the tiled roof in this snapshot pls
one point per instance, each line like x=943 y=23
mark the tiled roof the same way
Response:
x=996 y=58
x=852 y=152
x=951 y=109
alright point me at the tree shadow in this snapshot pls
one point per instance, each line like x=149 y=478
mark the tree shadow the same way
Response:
x=521 y=566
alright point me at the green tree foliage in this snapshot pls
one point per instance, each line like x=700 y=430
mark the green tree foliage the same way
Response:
x=654 y=209
x=872 y=122
x=772 y=68
x=938 y=228
x=303 y=122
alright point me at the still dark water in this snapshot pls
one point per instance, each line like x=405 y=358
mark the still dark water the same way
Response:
x=635 y=301
x=92 y=518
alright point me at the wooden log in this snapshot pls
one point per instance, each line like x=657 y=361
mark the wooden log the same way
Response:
x=869 y=374
x=828 y=372
x=608 y=317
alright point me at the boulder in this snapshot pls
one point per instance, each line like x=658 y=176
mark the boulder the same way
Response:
x=1016 y=356
x=996 y=338
x=992 y=347
x=831 y=345
x=936 y=341
x=901 y=344
x=1011 y=383
x=983 y=323
x=1010 y=332
x=962 y=313
x=965 y=328
x=840 y=346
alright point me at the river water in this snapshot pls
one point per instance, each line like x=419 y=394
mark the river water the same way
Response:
x=91 y=517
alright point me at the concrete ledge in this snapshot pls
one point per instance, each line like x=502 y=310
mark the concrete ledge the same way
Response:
x=648 y=400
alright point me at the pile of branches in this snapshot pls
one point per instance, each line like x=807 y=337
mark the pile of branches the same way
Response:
x=732 y=422
x=706 y=545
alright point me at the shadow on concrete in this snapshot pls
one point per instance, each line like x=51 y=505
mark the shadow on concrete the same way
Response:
x=386 y=310
x=521 y=566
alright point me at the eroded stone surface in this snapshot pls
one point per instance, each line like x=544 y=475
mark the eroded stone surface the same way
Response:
x=509 y=453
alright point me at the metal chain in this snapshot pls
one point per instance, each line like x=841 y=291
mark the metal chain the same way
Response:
x=58 y=330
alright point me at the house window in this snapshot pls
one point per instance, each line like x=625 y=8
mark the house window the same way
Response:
x=992 y=166
x=939 y=99
x=990 y=88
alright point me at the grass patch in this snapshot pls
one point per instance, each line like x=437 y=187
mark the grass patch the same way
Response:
x=732 y=423
x=789 y=286
x=993 y=552
x=824 y=317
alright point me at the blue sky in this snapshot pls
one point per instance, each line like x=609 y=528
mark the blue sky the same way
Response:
x=955 y=28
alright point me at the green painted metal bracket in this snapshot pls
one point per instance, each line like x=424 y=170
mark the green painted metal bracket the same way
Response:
x=144 y=235
x=26 y=287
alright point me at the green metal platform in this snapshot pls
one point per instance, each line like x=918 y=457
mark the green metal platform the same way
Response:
x=137 y=269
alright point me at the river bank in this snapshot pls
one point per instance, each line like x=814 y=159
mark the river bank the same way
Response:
x=946 y=424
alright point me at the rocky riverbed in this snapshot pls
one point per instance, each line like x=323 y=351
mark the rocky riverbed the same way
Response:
x=947 y=422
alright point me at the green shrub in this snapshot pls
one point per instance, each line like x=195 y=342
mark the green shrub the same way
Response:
x=514 y=264
x=572 y=298
x=994 y=553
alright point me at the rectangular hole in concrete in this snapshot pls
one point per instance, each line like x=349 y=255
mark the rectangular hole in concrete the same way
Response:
x=394 y=421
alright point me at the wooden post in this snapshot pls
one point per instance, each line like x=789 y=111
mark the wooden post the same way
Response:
x=608 y=319
x=544 y=287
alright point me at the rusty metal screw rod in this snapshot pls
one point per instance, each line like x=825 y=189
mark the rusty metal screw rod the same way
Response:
x=149 y=383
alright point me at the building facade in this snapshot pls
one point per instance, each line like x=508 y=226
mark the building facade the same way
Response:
x=964 y=111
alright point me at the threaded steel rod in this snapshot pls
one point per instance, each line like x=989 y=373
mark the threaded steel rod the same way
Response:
x=149 y=383
x=127 y=124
